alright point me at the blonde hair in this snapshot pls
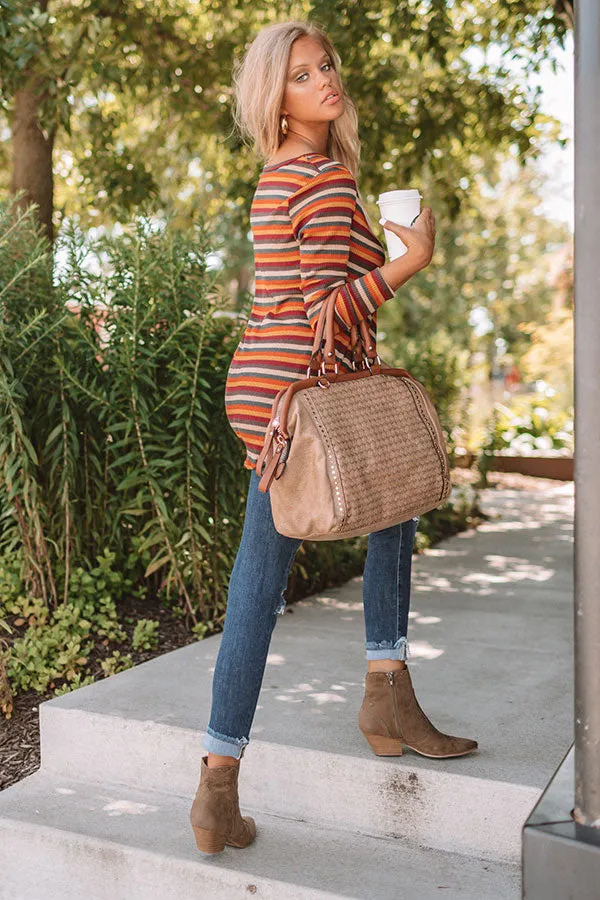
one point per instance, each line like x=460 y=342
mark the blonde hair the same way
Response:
x=259 y=85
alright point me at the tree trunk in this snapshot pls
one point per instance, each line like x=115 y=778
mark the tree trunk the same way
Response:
x=32 y=154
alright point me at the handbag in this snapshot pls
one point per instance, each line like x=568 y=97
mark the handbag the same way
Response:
x=349 y=453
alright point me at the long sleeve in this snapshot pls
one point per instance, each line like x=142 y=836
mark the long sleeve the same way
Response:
x=321 y=213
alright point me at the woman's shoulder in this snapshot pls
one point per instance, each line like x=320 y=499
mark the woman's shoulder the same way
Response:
x=305 y=168
x=324 y=165
x=334 y=170
x=320 y=175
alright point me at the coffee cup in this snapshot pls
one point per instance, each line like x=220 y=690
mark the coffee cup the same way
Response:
x=401 y=207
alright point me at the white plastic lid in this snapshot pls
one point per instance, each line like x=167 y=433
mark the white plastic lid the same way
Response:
x=394 y=196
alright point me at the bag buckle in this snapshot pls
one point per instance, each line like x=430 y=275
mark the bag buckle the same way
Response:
x=322 y=368
x=367 y=364
x=286 y=443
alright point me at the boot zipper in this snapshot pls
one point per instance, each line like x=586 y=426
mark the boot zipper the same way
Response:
x=390 y=677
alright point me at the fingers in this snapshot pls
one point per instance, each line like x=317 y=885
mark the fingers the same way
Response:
x=401 y=231
x=429 y=219
x=426 y=214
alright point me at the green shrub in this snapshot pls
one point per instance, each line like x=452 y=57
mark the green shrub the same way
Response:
x=117 y=662
x=533 y=425
x=322 y=564
x=145 y=635
x=530 y=425
x=56 y=644
x=113 y=431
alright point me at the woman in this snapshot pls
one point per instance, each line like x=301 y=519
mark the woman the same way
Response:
x=311 y=233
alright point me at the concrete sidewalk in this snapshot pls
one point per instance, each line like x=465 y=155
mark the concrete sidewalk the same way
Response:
x=490 y=632
x=491 y=658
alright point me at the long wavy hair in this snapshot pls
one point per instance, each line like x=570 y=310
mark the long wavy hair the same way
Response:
x=259 y=81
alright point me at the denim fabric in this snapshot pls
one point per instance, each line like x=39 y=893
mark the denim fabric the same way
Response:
x=256 y=597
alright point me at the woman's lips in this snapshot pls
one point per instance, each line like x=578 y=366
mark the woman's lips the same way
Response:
x=332 y=100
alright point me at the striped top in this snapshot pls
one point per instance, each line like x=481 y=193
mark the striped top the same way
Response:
x=310 y=235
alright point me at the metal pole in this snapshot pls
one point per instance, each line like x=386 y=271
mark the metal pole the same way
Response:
x=587 y=413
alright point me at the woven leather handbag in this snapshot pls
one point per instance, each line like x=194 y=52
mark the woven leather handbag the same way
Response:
x=352 y=452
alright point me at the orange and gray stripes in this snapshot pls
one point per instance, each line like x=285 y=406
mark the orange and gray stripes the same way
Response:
x=310 y=235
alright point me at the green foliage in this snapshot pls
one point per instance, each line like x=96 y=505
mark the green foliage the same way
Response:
x=78 y=681
x=491 y=438
x=10 y=577
x=203 y=629
x=117 y=662
x=494 y=266
x=137 y=91
x=50 y=650
x=56 y=645
x=145 y=635
x=94 y=592
x=322 y=564
x=550 y=356
x=112 y=418
x=528 y=426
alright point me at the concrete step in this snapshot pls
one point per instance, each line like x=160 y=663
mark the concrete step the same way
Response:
x=491 y=633
x=67 y=839
x=459 y=805
x=491 y=640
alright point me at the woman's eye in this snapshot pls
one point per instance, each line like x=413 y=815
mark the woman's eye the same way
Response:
x=306 y=73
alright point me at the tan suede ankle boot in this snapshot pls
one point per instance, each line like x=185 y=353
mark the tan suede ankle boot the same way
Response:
x=215 y=814
x=390 y=716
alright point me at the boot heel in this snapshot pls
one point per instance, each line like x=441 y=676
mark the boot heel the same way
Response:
x=384 y=746
x=208 y=841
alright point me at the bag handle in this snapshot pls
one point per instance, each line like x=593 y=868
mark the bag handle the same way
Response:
x=276 y=444
x=363 y=345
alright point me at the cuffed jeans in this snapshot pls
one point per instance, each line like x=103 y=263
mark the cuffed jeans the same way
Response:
x=256 y=597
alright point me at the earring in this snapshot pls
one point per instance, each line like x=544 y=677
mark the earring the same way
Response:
x=284 y=124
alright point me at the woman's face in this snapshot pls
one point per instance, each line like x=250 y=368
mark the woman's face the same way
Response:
x=310 y=77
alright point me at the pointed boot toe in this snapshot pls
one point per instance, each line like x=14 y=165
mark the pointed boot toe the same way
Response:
x=439 y=745
x=391 y=716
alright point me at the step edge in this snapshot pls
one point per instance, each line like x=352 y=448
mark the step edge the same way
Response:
x=50 y=779
x=277 y=748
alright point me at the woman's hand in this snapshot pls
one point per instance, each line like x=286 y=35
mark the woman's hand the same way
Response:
x=419 y=238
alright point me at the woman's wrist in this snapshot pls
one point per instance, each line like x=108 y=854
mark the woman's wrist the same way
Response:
x=398 y=271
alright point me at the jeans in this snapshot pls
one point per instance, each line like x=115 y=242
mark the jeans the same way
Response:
x=256 y=597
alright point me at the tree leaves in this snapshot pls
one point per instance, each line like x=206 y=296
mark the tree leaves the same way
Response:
x=141 y=92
